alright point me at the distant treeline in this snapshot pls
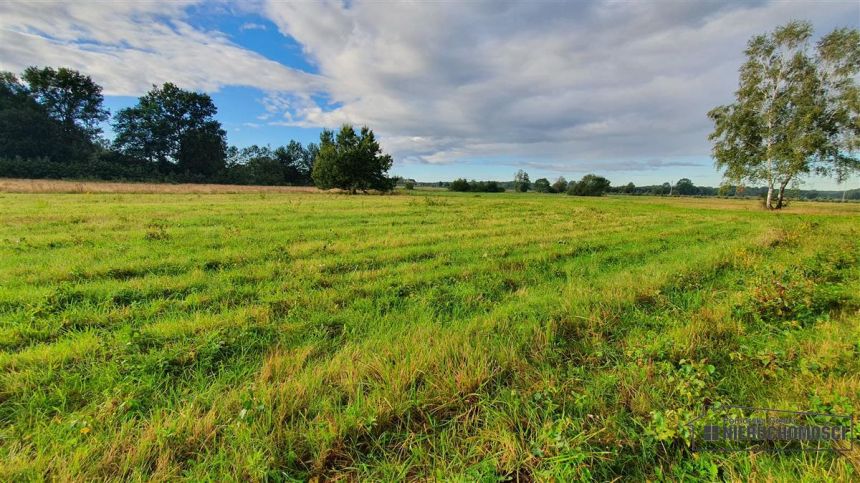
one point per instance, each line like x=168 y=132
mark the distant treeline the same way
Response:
x=49 y=128
x=596 y=185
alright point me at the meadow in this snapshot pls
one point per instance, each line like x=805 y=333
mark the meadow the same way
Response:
x=515 y=337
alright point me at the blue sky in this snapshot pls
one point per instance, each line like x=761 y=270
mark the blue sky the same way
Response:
x=468 y=89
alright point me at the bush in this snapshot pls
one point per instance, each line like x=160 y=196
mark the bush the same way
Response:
x=459 y=184
x=560 y=185
x=107 y=165
x=475 y=186
x=486 y=187
x=589 y=185
x=542 y=185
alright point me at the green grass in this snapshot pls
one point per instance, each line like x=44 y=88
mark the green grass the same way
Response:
x=467 y=337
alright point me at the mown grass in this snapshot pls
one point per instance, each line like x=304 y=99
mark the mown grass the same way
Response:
x=516 y=337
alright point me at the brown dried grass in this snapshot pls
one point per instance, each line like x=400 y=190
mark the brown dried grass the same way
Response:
x=8 y=185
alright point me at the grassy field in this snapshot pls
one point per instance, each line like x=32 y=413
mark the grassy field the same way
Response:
x=474 y=337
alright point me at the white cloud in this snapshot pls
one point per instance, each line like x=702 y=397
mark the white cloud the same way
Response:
x=554 y=84
x=128 y=46
x=559 y=82
x=252 y=26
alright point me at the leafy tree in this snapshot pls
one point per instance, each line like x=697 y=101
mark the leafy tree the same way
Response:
x=459 y=184
x=51 y=114
x=560 y=185
x=297 y=162
x=685 y=187
x=69 y=97
x=485 y=187
x=155 y=129
x=589 y=185
x=263 y=165
x=26 y=129
x=202 y=151
x=839 y=63
x=665 y=189
x=542 y=185
x=726 y=189
x=795 y=112
x=629 y=188
x=254 y=165
x=521 y=182
x=351 y=161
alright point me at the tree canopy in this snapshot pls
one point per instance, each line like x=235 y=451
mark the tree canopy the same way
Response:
x=542 y=185
x=521 y=181
x=69 y=97
x=49 y=113
x=172 y=127
x=795 y=110
x=589 y=185
x=351 y=161
x=26 y=129
x=560 y=185
x=685 y=187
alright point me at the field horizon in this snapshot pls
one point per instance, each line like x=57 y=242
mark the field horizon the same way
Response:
x=289 y=335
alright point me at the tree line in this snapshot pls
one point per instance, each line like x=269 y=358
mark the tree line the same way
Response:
x=50 y=128
x=593 y=185
x=796 y=112
x=589 y=185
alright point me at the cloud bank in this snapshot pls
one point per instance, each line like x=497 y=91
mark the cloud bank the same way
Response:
x=566 y=85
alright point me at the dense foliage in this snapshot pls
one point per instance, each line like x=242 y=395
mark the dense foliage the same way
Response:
x=49 y=128
x=522 y=182
x=51 y=114
x=796 y=110
x=351 y=161
x=476 y=186
x=589 y=185
x=541 y=185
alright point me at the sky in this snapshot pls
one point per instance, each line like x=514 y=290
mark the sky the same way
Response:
x=452 y=89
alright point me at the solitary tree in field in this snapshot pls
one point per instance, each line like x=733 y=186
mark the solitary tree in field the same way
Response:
x=522 y=182
x=351 y=161
x=795 y=111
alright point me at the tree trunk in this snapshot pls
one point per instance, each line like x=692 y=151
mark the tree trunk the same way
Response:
x=769 y=203
x=780 y=197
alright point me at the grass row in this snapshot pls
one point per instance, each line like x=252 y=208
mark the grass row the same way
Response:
x=297 y=335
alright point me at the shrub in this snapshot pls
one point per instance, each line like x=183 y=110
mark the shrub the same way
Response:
x=542 y=185
x=459 y=184
x=589 y=185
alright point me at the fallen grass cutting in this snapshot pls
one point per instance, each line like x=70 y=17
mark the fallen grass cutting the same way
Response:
x=431 y=335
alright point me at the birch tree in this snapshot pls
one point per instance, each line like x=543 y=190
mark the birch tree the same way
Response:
x=795 y=111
